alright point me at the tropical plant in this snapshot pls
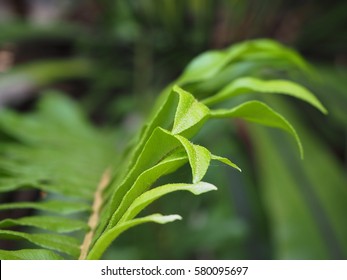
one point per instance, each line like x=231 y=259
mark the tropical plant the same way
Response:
x=55 y=151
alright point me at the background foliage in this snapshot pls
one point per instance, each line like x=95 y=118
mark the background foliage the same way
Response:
x=114 y=57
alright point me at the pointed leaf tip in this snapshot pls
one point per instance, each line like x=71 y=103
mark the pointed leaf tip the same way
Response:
x=202 y=187
x=158 y=218
x=226 y=161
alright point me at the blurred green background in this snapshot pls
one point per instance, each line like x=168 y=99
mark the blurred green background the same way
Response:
x=115 y=57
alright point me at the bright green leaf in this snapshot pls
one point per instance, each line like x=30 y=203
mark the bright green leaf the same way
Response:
x=159 y=145
x=199 y=158
x=209 y=64
x=107 y=238
x=148 y=197
x=226 y=161
x=258 y=112
x=189 y=112
x=162 y=117
x=145 y=180
x=203 y=67
x=253 y=85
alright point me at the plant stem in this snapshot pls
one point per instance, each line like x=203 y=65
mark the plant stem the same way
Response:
x=94 y=218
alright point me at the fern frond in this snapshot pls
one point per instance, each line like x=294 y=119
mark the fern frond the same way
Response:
x=54 y=150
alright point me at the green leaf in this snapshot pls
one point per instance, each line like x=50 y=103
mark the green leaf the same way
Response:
x=225 y=161
x=29 y=254
x=52 y=223
x=203 y=67
x=249 y=85
x=162 y=117
x=159 y=145
x=145 y=180
x=199 y=158
x=148 y=197
x=61 y=207
x=189 y=113
x=209 y=64
x=270 y=52
x=258 y=112
x=106 y=239
x=60 y=243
